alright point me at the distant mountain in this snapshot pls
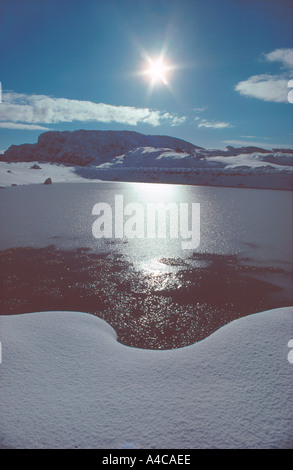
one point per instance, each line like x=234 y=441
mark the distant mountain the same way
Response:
x=93 y=148
x=90 y=147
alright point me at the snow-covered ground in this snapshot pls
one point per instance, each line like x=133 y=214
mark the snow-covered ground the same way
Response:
x=23 y=173
x=258 y=169
x=146 y=164
x=67 y=383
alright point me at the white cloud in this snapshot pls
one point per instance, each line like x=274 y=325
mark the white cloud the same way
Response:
x=34 y=109
x=264 y=145
x=250 y=136
x=209 y=124
x=214 y=125
x=285 y=56
x=265 y=87
x=27 y=127
x=200 y=110
x=268 y=87
x=176 y=121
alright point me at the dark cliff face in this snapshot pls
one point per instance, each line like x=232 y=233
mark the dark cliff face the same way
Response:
x=85 y=147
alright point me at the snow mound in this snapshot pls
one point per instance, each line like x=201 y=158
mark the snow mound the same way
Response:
x=66 y=382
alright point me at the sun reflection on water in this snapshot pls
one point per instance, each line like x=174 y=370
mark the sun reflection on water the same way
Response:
x=154 y=192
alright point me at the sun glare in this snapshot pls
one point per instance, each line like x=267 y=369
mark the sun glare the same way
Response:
x=157 y=71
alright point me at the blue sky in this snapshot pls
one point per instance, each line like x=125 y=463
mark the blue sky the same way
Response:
x=76 y=64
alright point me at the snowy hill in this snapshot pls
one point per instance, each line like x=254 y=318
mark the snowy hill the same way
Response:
x=149 y=157
x=89 y=147
x=230 y=167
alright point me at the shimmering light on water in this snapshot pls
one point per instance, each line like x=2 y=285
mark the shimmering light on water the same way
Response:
x=154 y=293
x=254 y=223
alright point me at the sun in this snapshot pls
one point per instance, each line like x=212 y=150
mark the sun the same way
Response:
x=157 y=70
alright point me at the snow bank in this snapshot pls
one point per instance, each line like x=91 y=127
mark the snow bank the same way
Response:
x=66 y=382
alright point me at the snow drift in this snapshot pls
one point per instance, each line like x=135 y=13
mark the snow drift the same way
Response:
x=67 y=383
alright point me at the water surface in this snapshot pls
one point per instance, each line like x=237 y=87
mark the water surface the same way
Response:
x=154 y=293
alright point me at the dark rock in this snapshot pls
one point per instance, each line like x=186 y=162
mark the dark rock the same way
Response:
x=48 y=181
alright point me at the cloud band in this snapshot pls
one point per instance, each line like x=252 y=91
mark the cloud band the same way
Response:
x=42 y=109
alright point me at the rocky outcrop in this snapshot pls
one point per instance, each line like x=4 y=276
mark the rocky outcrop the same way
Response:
x=48 y=181
x=85 y=147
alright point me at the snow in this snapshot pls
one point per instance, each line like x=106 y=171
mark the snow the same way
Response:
x=163 y=165
x=149 y=157
x=257 y=169
x=254 y=160
x=22 y=173
x=66 y=382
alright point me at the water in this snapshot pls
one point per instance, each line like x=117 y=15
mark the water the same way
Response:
x=256 y=224
x=152 y=291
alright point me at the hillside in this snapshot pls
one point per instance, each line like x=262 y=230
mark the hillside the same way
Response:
x=84 y=147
